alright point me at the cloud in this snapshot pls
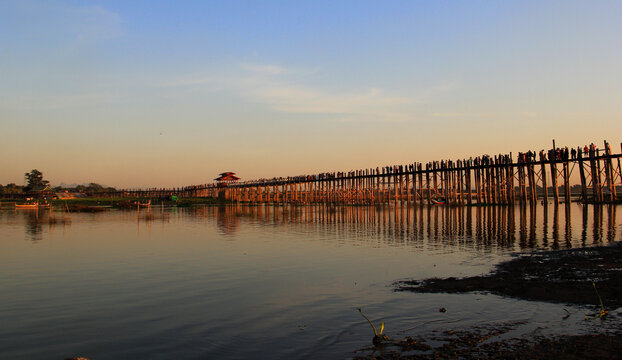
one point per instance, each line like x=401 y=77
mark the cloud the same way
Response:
x=285 y=90
x=277 y=87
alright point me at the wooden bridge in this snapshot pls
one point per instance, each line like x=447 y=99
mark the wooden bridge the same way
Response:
x=498 y=179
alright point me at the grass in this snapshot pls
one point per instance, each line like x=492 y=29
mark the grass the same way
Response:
x=602 y=313
x=379 y=338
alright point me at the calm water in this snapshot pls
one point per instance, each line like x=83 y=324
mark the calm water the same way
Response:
x=264 y=282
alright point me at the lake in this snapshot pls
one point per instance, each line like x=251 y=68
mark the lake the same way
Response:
x=265 y=282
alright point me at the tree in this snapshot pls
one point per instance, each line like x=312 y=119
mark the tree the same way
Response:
x=94 y=188
x=35 y=180
x=12 y=189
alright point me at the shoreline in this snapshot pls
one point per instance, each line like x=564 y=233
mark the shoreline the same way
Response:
x=559 y=276
x=556 y=276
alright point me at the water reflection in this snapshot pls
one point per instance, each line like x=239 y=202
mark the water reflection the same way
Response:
x=483 y=227
x=611 y=224
x=37 y=220
x=34 y=226
x=228 y=224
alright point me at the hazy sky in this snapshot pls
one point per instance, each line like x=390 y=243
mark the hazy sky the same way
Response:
x=171 y=93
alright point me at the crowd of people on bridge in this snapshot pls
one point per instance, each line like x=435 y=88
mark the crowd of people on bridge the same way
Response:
x=559 y=154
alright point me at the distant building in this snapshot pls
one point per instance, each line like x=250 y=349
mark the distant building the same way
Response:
x=40 y=192
x=226 y=178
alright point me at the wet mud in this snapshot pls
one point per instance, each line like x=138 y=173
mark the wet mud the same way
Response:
x=480 y=343
x=560 y=276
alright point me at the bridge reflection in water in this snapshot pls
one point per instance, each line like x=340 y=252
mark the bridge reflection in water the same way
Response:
x=476 y=227
x=481 y=227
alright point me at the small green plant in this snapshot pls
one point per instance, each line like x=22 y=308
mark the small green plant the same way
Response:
x=602 y=313
x=379 y=338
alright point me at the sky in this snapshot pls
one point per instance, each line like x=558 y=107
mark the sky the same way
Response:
x=171 y=93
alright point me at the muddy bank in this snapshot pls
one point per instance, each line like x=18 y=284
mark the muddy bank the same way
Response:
x=560 y=276
x=481 y=343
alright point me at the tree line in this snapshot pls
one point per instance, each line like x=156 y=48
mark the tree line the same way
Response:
x=35 y=182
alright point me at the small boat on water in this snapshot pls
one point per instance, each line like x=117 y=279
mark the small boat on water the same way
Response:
x=32 y=205
x=148 y=203
x=27 y=206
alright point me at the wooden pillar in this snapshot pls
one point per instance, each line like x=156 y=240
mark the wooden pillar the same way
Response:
x=448 y=184
x=583 y=182
x=478 y=183
x=420 y=169
x=532 y=183
x=443 y=184
x=554 y=177
x=484 y=184
x=524 y=180
x=497 y=179
x=463 y=182
x=601 y=184
x=595 y=177
x=566 y=183
x=435 y=176
x=545 y=189
x=371 y=186
x=398 y=183
x=415 y=183
x=377 y=185
x=287 y=189
x=451 y=182
x=487 y=187
x=459 y=181
x=427 y=178
x=511 y=176
x=383 y=183
x=407 y=173
x=467 y=172
x=609 y=173
x=509 y=183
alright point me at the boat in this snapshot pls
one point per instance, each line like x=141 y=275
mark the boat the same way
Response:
x=148 y=203
x=27 y=206
x=32 y=205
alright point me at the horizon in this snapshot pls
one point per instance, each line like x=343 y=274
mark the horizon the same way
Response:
x=158 y=94
x=574 y=176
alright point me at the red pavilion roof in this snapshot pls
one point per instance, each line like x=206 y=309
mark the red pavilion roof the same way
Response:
x=227 y=176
